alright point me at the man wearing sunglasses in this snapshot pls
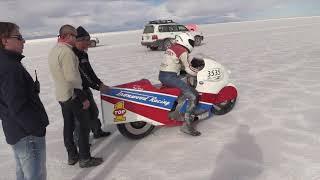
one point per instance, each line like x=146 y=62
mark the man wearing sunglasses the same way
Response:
x=89 y=80
x=24 y=119
x=64 y=68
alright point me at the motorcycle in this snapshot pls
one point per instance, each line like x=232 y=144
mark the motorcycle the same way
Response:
x=137 y=107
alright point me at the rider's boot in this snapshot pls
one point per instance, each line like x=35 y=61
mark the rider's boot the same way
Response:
x=176 y=115
x=187 y=126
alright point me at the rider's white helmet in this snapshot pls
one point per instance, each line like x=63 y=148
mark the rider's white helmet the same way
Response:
x=186 y=40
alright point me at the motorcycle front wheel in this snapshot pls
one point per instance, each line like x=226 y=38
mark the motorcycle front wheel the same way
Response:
x=135 y=130
x=224 y=107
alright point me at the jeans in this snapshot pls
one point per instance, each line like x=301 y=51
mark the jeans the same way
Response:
x=171 y=79
x=30 y=156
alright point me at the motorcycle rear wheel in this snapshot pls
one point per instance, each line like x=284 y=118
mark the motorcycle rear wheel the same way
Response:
x=135 y=130
x=224 y=107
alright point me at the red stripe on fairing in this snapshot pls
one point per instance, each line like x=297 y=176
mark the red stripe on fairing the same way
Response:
x=155 y=114
x=226 y=93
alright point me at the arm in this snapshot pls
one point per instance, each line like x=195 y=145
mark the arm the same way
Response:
x=89 y=75
x=93 y=75
x=70 y=67
x=187 y=65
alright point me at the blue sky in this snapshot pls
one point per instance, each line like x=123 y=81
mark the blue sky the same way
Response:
x=43 y=18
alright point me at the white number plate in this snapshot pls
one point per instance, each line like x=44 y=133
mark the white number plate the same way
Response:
x=215 y=74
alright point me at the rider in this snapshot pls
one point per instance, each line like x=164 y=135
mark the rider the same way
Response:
x=177 y=59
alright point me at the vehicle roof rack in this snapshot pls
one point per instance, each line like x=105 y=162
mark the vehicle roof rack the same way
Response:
x=166 y=21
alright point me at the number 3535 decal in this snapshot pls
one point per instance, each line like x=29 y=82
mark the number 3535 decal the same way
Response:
x=215 y=74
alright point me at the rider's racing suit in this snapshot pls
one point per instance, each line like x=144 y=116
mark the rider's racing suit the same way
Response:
x=176 y=58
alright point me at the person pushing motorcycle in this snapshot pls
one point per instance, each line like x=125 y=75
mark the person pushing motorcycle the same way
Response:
x=176 y=59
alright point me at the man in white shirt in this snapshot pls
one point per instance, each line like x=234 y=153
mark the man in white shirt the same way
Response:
x=64 y=68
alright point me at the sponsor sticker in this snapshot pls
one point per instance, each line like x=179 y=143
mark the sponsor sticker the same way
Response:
x=119 y=112
x=147 y=98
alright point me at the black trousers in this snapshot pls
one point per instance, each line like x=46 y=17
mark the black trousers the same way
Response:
x=95 y=124
x=72 y=111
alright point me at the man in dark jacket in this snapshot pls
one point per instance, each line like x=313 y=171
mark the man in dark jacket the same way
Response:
x=24 y=119
x=89 y=80
x=64 y=68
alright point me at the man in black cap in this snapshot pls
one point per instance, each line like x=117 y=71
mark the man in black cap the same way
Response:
x=74 y=102
x=89 y=79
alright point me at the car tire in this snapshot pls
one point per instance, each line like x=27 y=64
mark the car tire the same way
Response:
x=153 y=48
x=166 y=44
x=93 y=43
x=224 y=107
x=135 y=130
x=197 y=40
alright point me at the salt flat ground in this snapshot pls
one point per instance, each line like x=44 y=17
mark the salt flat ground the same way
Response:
x=271 y=134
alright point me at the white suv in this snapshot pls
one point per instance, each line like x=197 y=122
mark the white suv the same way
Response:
x=93 y=42
x=159 y=34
